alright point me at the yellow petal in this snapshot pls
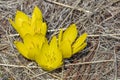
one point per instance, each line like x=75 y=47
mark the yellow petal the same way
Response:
x=70 y=34
x=44 y=29
x=20 y=18
x=80 y=40
x=66 y=49
x=60 y=36
x=33 y=52
x=28 y=41
x=40 y=27
x=79 y=48
x=56 y=58
x=38 y=40
x=37 y=27
x=53 y=44
x=33 y=43
x=22 y=49
x=42 y=58
x=14 y=25
x=36 y=15
x=25 y=29
x=44 y=49
x=50 y=58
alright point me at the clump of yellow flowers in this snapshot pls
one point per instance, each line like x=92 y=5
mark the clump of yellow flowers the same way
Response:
x=35 y=45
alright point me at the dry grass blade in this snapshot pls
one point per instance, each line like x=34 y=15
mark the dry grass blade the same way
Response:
x=100 y=60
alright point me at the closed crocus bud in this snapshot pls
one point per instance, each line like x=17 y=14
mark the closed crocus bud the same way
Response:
x=50 y=57
x=31 y=45
x=27 y=25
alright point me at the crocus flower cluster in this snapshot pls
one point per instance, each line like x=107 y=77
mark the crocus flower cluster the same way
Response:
x=35 y=45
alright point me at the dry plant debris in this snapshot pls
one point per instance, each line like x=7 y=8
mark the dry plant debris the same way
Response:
x=99 y=18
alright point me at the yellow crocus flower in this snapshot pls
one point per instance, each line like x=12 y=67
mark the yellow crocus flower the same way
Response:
x=35 y=45
x=50 y=57
x=25 y=24
x=31 y=45
x=68 y=43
